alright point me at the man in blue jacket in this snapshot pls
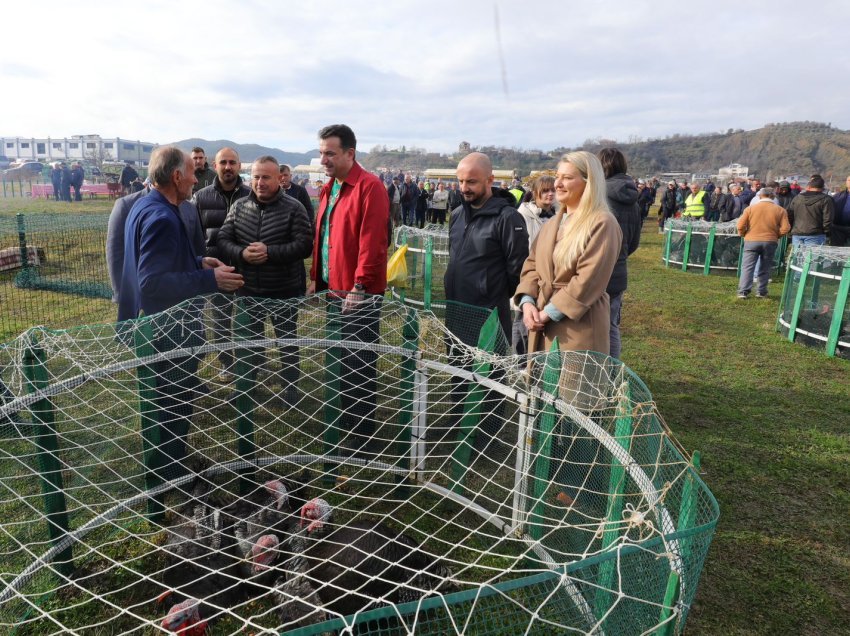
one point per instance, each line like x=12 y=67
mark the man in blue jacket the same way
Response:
x=162 y=268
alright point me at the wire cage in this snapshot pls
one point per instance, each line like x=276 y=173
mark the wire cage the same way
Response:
x=713 y=248
x=472 y=492
x=814 y=308
x=427 y=258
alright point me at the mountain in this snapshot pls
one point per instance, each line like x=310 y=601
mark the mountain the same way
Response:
x=774 y=150
x=247 y=152
x=771 y=151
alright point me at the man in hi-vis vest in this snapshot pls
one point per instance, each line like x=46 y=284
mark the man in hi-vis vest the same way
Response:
x=695 y=203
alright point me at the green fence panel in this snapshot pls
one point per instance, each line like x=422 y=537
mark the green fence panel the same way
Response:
x=47 y=444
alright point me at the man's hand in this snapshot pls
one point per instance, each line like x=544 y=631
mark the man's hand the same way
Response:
x=227 y=279
x=353 y=300
x=256 y=253
x=210 y=262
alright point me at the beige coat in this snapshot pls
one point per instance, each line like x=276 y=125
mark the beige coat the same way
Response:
x=578 y=293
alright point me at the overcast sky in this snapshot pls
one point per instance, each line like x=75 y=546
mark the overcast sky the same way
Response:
x=428 y=74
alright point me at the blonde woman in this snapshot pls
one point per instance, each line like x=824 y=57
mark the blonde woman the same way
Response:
x=562 y=286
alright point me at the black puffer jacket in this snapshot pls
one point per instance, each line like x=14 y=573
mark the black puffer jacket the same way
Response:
x=285 y=228
x=622 y=199
x=213 y=204
x=487 y=248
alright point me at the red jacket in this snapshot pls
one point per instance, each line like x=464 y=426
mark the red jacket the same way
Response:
x=358 y=234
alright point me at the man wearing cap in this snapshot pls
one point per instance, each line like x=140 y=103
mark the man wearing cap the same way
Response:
x=840 y=234
x=760 y=226
x=810 y=214
x=784 y=194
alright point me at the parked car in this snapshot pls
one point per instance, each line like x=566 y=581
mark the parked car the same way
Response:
x=28 y=168
x=5 y=162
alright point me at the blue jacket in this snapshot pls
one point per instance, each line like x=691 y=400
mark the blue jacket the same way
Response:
x=162 y=267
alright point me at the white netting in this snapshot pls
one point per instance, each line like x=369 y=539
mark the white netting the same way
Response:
x=470 y=492
x=815 y=303
x=695 y=241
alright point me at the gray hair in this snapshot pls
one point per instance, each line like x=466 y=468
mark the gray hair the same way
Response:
x=766 y=193
x=164 y=161
x=266 y=159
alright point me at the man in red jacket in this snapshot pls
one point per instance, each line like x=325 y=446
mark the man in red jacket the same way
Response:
x=350 y=260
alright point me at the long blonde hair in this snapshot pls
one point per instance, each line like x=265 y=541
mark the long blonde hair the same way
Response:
x=594 y=201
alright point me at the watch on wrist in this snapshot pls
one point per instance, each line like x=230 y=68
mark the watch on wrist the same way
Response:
x=358 y=286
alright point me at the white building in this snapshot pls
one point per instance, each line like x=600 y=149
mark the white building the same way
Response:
x=733 y=171
x=77 y=147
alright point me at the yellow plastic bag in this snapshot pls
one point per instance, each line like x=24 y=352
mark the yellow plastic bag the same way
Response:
x=397 y=268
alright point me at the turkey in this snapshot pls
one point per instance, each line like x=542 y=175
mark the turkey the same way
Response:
x=185 y=619
x=349 y=568
x=268 y=510
x=201 y=560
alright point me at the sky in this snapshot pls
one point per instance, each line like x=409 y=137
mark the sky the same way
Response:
x=535 y=74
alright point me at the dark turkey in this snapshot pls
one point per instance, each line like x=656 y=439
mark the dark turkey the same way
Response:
x=201 y=559
x=348 y=568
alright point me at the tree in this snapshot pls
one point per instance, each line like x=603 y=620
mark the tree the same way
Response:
x=96 y=156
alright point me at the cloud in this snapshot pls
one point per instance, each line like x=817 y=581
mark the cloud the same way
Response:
x=424 y=74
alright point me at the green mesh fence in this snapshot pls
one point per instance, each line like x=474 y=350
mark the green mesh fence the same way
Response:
x=537 y=495
x=814 y=309
x=53 y=271
x=710 y=248
x=427 y=258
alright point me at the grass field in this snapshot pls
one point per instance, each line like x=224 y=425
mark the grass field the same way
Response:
x=770 y=418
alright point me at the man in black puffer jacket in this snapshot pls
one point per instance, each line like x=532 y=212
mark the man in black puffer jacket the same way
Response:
x=213 y=203
x=266 y=236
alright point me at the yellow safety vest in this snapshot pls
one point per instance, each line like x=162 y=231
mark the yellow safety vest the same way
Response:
x=694 y=205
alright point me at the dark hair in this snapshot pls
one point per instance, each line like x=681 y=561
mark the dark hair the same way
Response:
x=344 y=133
x=816 y=181
x=199 y=149
x=164 y=161
x=613 y=162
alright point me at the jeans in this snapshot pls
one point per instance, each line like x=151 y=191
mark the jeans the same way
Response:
x=816 y=239
x=752 y=251
x=614 y=333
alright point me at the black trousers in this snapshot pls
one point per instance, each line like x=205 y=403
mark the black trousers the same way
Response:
x=284 y=319
x=358 y=368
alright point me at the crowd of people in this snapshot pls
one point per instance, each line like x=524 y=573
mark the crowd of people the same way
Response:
x=64 y=178
x=550 y=259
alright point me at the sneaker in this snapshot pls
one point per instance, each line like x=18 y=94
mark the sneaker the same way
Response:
x=743 y=296
x=761 y=295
